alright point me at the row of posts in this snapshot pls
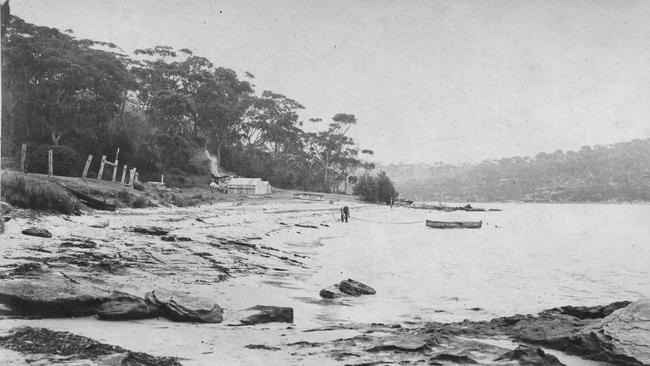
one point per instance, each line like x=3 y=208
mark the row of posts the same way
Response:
x=132 y=176
x=133 y=173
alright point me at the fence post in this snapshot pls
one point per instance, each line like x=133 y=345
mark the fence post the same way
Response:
x=162 y=179
x=123 y=174
x=131 y=175
x=50 y=163
x=85 y=173
x=101 y=168
x=23 y=156
x=115 y=166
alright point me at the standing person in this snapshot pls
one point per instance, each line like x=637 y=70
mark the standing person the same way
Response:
x=346 y=213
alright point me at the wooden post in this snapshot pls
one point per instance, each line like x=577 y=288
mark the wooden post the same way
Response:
x=23 y=156
x=123 y=174
x=101 y=167
x=131 y=175
x=115 y=166
x=50 y=163
x=85 y=173
x=162 y=179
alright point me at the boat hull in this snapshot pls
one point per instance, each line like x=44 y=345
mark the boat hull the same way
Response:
x=454 y=224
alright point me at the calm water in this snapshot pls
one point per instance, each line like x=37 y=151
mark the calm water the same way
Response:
x=526 y=258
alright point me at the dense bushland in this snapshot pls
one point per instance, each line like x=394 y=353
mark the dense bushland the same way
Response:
x=164 y=109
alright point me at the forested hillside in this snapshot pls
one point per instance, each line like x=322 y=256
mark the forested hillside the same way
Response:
x=165 y=109
x=618 y=172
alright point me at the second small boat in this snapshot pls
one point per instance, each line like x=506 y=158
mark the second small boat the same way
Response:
x=455 y=224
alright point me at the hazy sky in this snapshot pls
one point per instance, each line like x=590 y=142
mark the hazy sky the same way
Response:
x=429 y=81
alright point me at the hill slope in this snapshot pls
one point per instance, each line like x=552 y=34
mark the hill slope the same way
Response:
x=618 y=172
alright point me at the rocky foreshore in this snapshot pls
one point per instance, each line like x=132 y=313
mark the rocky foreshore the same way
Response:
x=171 y=274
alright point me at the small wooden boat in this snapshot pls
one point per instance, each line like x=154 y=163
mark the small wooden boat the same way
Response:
x=454 y=224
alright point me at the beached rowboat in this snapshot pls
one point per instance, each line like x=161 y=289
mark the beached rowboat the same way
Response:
x=454 y=224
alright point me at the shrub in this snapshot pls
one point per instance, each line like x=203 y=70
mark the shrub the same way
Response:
x=29 y=192
x=375 y=189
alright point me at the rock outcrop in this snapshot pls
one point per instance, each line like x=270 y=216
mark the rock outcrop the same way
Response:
x=623 y=337
x=186 y=310
x=51 y=297
x=123 y=306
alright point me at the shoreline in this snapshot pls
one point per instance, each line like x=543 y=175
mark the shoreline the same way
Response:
x=136 y=263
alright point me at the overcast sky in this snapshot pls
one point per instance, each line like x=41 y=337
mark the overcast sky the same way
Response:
x=452 y=81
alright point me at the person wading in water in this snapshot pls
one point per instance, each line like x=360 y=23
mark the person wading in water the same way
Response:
x=345 y=214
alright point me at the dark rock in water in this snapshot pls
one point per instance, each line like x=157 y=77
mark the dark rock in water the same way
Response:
x=269 y=314
x=346 y=288
x=529 y=355
x=34 y=231
x=354 y=288
x=45 y=342
x=331 y=292
x=122 y=306
x=150 y=230
x=623 y=337
x=51 y=297
x=186 y=310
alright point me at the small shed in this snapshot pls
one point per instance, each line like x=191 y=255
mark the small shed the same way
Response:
x=248 y=186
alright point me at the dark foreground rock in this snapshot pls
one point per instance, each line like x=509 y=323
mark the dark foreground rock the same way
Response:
x=54 y=297
x=622 y=337
x=269 y=314
x=618 y=333
x=347 y=287
x=186 y=310
x=35 y=231
x=41 y=341
x=123 y=306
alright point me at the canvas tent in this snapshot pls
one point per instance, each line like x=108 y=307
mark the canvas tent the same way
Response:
x=248 y=186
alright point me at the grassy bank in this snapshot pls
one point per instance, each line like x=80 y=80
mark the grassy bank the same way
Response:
x=33 y=193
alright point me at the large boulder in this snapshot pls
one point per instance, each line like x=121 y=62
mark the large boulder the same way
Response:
x=123 y=306
x=623 y=337
x=269 y=314
x=186 y=309
x=35 y=231
x=51 y=296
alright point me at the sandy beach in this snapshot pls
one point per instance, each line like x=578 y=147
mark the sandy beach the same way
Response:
x=278 y=252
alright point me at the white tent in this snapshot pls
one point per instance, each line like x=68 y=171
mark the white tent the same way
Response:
x=248 y=186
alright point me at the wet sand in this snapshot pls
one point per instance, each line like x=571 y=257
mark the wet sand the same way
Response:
x=241 y=254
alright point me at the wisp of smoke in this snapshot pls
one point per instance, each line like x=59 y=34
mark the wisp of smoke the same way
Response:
x=214 y=163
